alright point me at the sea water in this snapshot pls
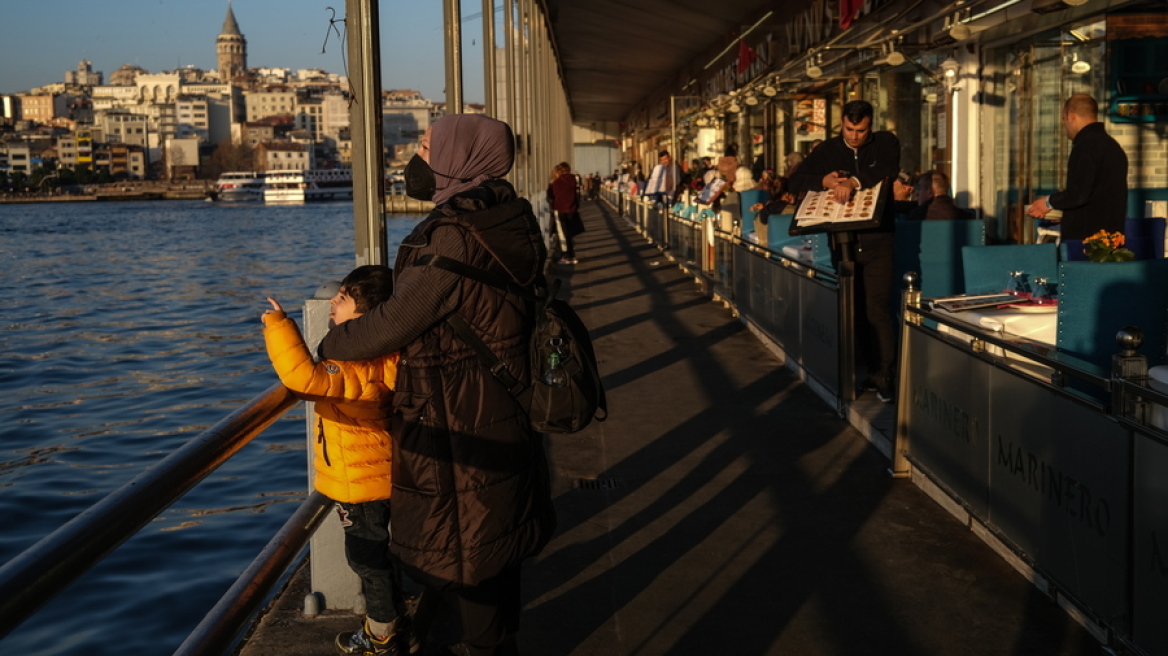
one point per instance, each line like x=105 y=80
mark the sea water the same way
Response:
x=125 y=330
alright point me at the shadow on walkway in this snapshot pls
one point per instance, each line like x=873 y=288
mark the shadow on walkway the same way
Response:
x=723 y=508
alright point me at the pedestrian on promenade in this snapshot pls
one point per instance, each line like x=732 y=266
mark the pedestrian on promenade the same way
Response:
x=352 y=452
x=860 y=158
x=1095 y=197
x=664 y=180
x=471 y=485
x=565 y=202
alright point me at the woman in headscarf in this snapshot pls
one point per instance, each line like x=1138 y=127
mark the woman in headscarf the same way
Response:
x=471 y=493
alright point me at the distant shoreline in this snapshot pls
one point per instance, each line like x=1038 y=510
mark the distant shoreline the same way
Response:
x=96 y=198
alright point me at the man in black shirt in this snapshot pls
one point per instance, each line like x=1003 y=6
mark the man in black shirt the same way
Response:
x=1095 y=197
x=859 y=158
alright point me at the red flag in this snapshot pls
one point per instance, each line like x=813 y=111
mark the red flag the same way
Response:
x=848 y=11
x=746 y=56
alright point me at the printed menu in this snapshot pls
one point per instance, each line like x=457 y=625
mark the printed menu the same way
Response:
x=821 y=207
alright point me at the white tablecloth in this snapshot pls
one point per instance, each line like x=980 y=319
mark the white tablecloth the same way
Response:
x=1038 y=326
x=796 y=253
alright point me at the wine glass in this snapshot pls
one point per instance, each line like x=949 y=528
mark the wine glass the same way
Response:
x=1042 y=294
x=1018 y=284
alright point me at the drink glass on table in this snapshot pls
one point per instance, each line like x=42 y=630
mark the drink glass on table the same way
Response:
x=1018 y=285
x=1042 y=294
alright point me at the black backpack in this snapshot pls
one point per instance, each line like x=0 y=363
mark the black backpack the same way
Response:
x=565 y=393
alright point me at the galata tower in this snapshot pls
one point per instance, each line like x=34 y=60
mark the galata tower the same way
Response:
x=232 y=49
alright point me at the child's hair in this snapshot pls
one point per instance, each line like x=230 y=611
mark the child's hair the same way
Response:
x=368 y=286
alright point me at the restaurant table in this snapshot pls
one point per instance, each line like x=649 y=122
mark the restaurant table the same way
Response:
x=1032 y=324
x=797 y=253
x=1038 y=323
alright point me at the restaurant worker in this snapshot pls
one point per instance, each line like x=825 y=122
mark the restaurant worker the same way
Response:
x=471 y=485
x=1095 y=197
x=859 y=158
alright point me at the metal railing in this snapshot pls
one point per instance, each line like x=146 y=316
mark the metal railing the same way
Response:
x=31 y=579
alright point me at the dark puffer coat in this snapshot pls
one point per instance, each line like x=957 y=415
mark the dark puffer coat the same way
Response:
x=471 y=490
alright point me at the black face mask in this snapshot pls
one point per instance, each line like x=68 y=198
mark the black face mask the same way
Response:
x=420 y=182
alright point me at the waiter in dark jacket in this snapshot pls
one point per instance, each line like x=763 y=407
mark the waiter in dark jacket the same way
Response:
x=856 y=159
x=1095 y=197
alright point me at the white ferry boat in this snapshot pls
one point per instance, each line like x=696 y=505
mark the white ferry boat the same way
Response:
x=240 y=185
x=310 y=185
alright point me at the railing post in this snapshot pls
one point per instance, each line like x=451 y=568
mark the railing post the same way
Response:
x=1128 y=365
x=846 y=277
x=331 y=575
x=910 y=298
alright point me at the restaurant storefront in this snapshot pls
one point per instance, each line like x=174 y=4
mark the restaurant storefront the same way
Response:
x=975 y=94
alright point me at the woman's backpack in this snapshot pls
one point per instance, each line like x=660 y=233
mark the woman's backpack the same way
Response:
x=566 y=392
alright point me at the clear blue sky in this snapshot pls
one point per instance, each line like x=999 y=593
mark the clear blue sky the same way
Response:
x=41 y=39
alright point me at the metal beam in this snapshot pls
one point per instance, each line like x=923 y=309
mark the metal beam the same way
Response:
x=489 y=57
x=452 y=17
x=362 y=28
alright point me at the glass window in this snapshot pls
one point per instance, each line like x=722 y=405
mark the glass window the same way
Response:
x=1024 y=144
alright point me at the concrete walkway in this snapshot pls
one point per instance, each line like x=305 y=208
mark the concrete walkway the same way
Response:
x=723 y=509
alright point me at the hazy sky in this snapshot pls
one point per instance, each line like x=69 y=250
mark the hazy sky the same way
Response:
x=41 y=39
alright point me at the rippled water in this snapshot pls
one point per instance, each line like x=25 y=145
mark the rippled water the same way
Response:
x=125 y=329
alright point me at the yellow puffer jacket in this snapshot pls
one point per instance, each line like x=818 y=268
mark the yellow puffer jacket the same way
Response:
x=352 y=449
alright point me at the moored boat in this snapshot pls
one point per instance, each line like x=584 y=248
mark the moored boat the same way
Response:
x=240 y=185
x=310 y=185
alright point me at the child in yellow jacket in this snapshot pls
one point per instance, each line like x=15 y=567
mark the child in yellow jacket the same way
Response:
x=352 y=451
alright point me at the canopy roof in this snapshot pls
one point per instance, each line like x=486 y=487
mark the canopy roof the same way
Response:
x=614 y=53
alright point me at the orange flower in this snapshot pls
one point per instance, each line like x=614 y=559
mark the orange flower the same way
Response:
x=1106 y=246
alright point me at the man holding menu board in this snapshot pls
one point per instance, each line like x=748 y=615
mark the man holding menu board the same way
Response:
x=846 y=165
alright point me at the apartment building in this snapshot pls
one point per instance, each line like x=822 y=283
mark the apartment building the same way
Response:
x=42 y=108
x=283 y=157
x=272 y=101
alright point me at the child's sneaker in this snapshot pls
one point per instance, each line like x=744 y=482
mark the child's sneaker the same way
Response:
x=401 y=641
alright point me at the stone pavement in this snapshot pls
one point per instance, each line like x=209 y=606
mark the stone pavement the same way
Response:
x=724 y=509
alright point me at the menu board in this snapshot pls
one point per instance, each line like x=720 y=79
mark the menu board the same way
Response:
x=820 y=212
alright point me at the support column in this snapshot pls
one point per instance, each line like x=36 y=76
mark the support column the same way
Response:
x=489 y=58
x=361 y=25
x=452 y=17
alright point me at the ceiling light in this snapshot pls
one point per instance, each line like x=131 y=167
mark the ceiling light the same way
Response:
x=769 y=91
x=960 y=32
x=950 y=67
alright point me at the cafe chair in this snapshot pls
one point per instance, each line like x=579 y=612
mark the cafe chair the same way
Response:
x=778 y=232
x=933 y=249
x=987 y=268
x=1071 y=250
x=746 y=199
x=1097 y=299
x=1144 y=237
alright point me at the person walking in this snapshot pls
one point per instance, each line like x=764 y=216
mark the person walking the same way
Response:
x=565 y=202
x=1095 y=196
x=471 y=484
